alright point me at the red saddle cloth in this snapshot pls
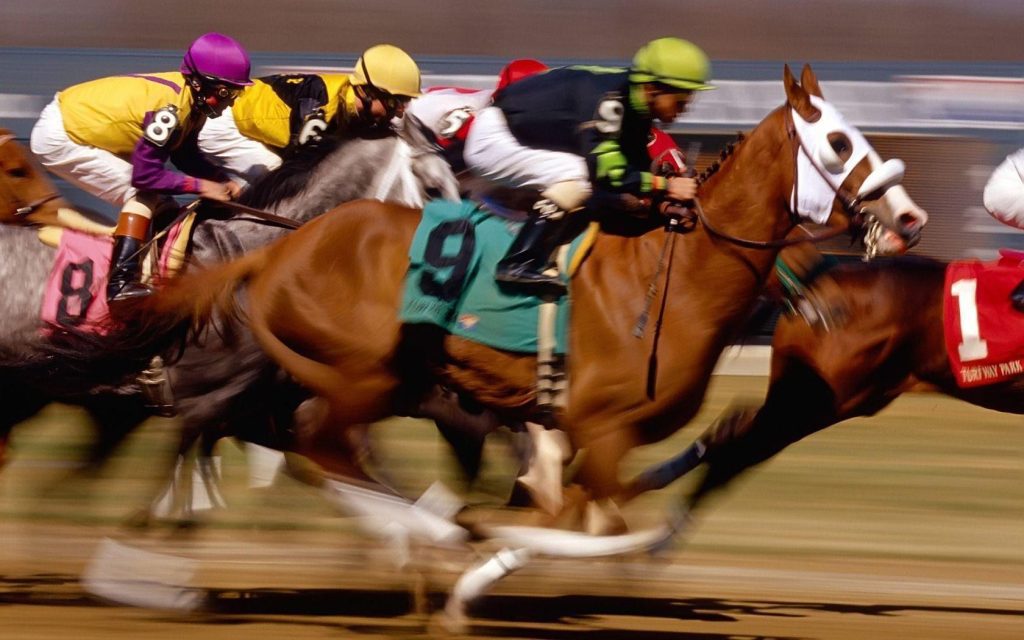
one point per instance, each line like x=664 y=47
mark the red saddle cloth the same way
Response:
x=984 y=333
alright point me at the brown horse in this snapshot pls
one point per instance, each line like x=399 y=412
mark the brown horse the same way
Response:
x=328 y=316
x=889 y=337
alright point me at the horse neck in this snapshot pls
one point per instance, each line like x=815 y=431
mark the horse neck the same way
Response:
x=710 y=285
x=378 y=169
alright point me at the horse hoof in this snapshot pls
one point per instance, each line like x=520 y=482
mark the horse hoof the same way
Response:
x=452 y=621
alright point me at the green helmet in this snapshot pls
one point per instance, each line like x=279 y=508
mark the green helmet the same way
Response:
x=673 y=61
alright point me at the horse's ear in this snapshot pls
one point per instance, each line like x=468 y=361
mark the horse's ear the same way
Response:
x=799 y=99
x=809 y=82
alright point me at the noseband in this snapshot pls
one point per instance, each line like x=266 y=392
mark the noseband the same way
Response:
x=21 y=208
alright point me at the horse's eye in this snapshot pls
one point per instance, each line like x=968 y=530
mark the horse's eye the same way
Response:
x=17 y=172
x=841 y=145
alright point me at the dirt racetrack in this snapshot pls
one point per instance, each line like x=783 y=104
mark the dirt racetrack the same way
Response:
x=908 y=525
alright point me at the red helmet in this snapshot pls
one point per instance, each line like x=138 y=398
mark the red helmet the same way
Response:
x=519 y=69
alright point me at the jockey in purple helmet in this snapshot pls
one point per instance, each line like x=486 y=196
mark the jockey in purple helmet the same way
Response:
x=113 y=137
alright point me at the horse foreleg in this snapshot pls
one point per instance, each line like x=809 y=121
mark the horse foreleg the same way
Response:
x=543 y=476
x=599 y=474
x=799 y=403
x=114 y=419
x=475 y=581
x=175 y=499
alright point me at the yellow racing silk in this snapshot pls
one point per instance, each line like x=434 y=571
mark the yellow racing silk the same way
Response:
x=108 y=113
x=273 y=109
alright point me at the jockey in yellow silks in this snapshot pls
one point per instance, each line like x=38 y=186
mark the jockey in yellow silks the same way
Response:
x=283 y=111
x=114 y=136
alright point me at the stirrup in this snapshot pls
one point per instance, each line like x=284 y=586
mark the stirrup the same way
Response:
x=523 y=275
x=123 y=292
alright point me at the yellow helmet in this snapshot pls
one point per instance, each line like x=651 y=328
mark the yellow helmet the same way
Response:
x=388 y=68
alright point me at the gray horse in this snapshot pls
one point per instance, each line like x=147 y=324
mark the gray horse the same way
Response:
x=220 y=384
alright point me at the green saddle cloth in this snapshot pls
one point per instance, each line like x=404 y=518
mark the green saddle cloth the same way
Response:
x=451 y=282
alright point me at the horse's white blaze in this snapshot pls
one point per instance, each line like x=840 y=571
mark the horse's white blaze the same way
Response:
x=971 y=347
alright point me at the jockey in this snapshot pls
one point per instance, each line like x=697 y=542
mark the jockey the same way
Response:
x=113 y=137
x=285 y=111
x=449 y=111
x=567 y=129
x=1004 y=199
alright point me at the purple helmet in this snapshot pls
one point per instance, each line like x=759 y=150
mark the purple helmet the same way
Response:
x=217 y=57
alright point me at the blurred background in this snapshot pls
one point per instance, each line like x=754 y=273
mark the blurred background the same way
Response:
x=906 y=525
x=939 y=83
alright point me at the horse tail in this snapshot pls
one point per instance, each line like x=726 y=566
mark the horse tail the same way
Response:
x=179 y=313
x=192 y=301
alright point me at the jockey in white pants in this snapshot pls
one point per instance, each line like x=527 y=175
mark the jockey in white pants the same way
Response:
x=449 y=112
x=113 y=137
x=283 y=112
x=566 y=130
x=1004 y=199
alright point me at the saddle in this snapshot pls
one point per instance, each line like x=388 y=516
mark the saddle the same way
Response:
x=451 y=284
x=75 y=290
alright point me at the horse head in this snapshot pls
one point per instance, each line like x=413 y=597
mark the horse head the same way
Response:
x=429 y=167
x=26 y=194
x=838 y=173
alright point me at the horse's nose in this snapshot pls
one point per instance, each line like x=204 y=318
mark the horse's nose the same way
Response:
x=910 y=224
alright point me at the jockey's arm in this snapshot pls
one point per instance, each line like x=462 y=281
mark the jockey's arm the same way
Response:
x=1004 y=193
x=610 y=169
x=149 y=163
x=193 y=162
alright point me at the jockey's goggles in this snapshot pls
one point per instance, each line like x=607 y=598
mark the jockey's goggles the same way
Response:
x=222 y=91
x=391 y=102
x=682 y=95
x=212 y=86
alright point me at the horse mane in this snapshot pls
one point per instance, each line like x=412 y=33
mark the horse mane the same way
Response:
x=297 y=163
x=725 y=153
x=290 y=178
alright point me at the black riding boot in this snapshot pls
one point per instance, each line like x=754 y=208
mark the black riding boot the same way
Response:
x=125 y=271
x=1017 y=297
x=528 y=260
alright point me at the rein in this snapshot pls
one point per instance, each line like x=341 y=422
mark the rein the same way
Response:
x=260 y=214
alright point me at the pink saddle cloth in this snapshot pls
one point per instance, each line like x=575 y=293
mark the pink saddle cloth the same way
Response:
x=75 y=296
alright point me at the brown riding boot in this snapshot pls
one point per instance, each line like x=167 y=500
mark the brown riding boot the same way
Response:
x=124 y=283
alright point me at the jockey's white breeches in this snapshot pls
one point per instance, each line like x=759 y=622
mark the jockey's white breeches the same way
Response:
x=493 y=153
x=1004 y=193
x=96 y=171
x=226 y=147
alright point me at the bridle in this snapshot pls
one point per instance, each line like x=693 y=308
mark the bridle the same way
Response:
x=858 y=217
x=21 y=207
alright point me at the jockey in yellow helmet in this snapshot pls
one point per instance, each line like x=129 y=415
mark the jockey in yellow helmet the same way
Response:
x=284 y=111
